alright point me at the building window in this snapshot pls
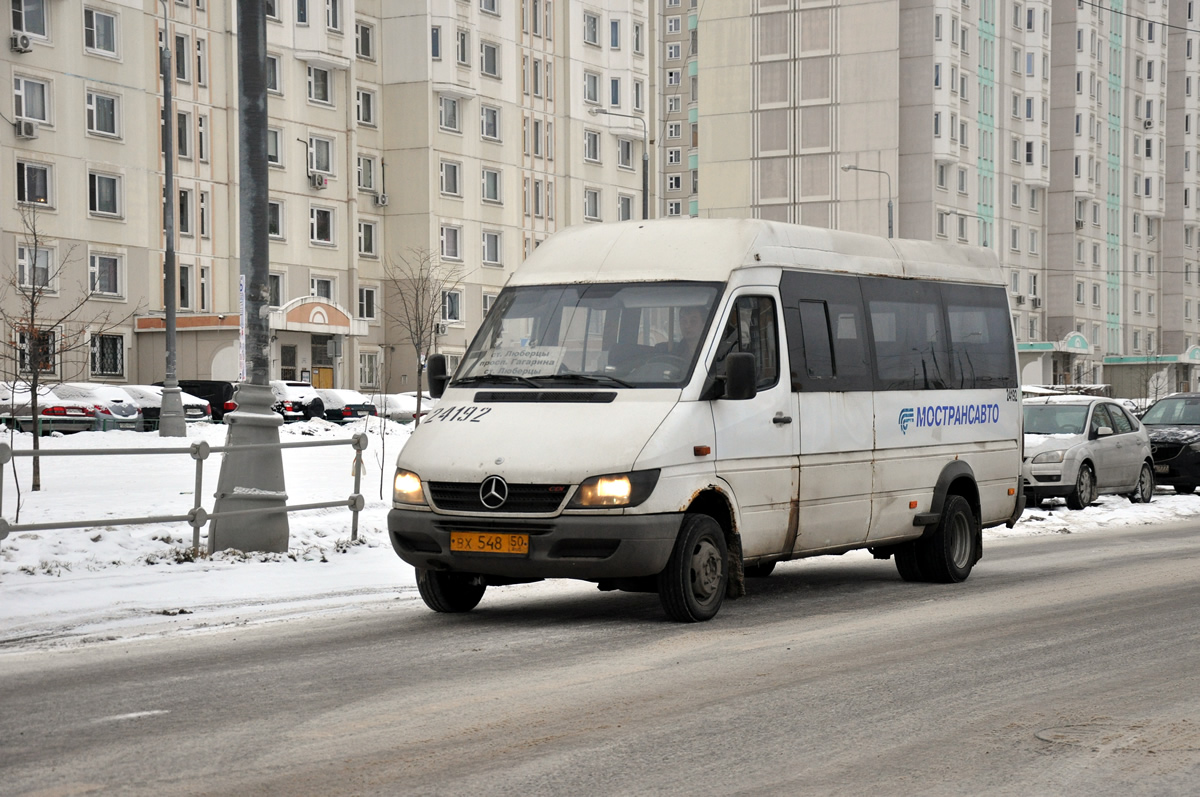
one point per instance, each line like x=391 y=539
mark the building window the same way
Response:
x=450 y=240
x=366 y=239
x=491 y=185
x=463 y=51
x=29 y=16
x=205 y=289
x=321 y=287
x=674 y=182
x=638 y=36
x=320 y=155
x=366 y=107
x=489 y=59
x=183 y=46
x=591 y=87
x=104 y=194
x=451 y=306
x=625 y=153
x=675 y=208
x=366 y=303
x=275 y=289
x=591 y=204
x=614 y=34
x=448 y=113
x=99 y=31
x=31 y=99
x=489 y=122
x=364 y=41
x=638 y=91
x=674 y=156
x=319 y=86
x=674 y=77
x=183 y=134
x=202 y=137
x=271 y=9
x=368 y=369
x=333 y=14
x=35 y=267
x=274 y=150
x=490 y=6
x=184 y=217
x=591 y=146
x=320 y=225
x=275 y=219
x=449 y=178
x=203 y=208
x=614 y=92
x=591 y=28
x=624 y=207
x=366 y=173
x=108 y=355
x=185 y=286
x=102 y=113
x=435 y=43
x=201 y=62
x=273 y=84
x=491 y=248
x=39 y=349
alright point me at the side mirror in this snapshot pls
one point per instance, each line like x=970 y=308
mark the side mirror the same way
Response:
x=1103 y=431
x=435 y=369
x=741 y=381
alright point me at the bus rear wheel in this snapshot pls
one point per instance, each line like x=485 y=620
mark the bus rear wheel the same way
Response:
x=451 y=593
x=692 y=585
x=947 y=555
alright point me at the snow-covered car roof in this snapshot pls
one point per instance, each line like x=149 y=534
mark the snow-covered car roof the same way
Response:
x=295 y=391
x=1073 y=399
x=151 y=396
x=340 y=397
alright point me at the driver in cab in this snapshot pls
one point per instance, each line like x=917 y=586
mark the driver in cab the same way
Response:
x=691 y=327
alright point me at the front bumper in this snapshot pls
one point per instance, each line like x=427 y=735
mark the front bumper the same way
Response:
x=586 y=547
x=1049 y=480
x=1181 y=469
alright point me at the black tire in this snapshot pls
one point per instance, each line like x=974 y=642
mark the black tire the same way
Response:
x=451 y=593
x=1185 y=489
x=692 y=585
x=1144 y=492
x=1085 y=488
x=908 y=563
x=315 y=409
x=761 y=570
x=947 y=554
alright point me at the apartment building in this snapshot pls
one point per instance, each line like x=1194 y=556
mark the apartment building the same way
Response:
x=1061 y=135
x=457 y=133
x=677 y=130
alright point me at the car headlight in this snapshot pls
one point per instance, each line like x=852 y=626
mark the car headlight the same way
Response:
x=1195 y=447
x=1049 y=456
x=406 y=488
x=615 y=489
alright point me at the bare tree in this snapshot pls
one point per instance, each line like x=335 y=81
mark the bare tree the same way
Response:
x=47 y=338
x=419 y=282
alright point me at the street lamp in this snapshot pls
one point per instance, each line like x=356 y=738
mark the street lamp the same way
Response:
x=850 y=166
x=171 y=422
x=645 y=155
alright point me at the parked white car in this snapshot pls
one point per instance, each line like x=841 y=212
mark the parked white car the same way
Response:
x=401 y=407
x=297 y=401
x=114 y=408
x=55 y=413
x=1079 y=447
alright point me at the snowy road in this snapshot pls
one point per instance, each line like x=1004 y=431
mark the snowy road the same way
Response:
x=1067 y=664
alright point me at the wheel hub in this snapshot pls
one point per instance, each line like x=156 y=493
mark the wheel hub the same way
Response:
x=706 y=570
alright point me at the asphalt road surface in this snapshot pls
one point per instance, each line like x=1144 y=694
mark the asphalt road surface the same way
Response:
x=1067 y=664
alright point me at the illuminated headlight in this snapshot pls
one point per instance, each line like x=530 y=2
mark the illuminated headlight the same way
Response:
x=406 y=488
x=1049 y=456
x=1195 y=447
x=615 y=489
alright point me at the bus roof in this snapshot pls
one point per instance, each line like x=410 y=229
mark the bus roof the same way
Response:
x=710 y=249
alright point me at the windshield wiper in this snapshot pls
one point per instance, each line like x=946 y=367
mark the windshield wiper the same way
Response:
x=590 y=378
x=504 y=378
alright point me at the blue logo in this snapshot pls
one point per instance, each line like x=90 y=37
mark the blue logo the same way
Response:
x=906 y=418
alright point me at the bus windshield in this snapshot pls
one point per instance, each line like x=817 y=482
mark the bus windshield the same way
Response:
x=637 y=334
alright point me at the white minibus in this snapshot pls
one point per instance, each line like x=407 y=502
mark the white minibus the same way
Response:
x=676 y=406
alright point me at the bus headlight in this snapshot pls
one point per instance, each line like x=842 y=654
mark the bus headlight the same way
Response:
x=406 y=488
x=615 y=489
x=1049 y=456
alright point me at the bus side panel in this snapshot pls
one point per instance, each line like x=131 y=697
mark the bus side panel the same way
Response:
x=836 y=442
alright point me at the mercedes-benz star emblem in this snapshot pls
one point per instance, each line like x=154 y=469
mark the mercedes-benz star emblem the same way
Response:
x=493 y=492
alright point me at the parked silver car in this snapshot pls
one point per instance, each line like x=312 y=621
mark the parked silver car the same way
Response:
x=1079 y=447
x=114 y=408
x=55 y=413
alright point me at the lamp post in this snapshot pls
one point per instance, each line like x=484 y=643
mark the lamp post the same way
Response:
x=171 y=422
x=645 y=154
x=850 y=166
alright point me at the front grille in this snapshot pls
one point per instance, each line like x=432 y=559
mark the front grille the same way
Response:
x=497 y=526
x=531 y=498
x=1163 y=451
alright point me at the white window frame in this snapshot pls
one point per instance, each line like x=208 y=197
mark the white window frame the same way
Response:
x=449 y=116
x=490 y=248
x=23 y=87
x=93 y=98
x=321 y=155
x=315 y=215
x=591 y=204
x=364 y=40
x=278 y=208
x=365 y=106
x=368 y=238
x=94 y=178
x=367 y=168
x=91 y=31
x=489 y=58
x=489 y=122
x=450 y=238
x=450 y=178
x=318 y=92
x=31 y=278
x=276 y=134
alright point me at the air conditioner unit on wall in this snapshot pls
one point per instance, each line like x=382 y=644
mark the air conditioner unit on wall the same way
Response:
x=440 y=328
x=1149 y=123
x=25 y=128
x=20 y=43
x=1036 y=302
x=1079 y=224
x=381 y=200
x=317 y=180
x=1020 y=298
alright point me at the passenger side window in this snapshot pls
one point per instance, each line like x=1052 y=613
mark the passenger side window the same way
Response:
x=1121 y=422
x=911 y=351
x=1100 y=418
x=752 y=328
x=980 y=337
x=826 y=332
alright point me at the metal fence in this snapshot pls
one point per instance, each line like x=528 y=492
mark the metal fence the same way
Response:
x=197 y=516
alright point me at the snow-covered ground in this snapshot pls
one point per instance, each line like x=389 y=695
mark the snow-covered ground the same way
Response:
x=101 y=582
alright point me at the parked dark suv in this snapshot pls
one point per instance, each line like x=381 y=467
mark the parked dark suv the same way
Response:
x=218 y=394
x=1174 y=427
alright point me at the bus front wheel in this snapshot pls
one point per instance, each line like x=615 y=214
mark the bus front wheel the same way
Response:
x=449 y=592
x=692 y=585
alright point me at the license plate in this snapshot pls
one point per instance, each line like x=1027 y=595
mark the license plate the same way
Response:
x=1162 y=469
x=474 y=542
x=362 y=413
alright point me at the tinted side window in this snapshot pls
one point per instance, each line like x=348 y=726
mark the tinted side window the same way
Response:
x=1121 y=421
x=1100 y=418
x=981 y=347
x=909 y=333
x=826 y=332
